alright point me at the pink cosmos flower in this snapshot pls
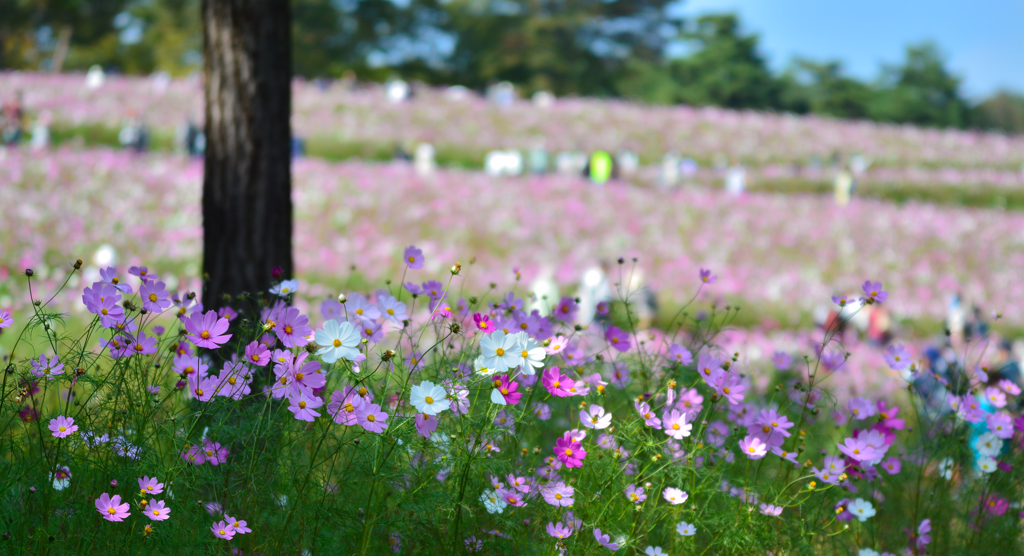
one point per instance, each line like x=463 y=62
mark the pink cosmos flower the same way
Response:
x=556 y=383
x=730 y=386
x=157 y=511
x=770 y=509
x=570 y=452
x=370 y=417
x=775 y=422
x=484 y=323
x=861 y=408
x=413 y=257
x=5 y=319
x=892 y=465
x=222 y=530
x=203 y=388
x=149 y=486
x=753 y=447
x=674 y=496
x=649 y=417
x=104 y=301
x=143 y=345
x=707 y=277
x=566 y=309
x=675 y=425
x=240 y=526
x=257 y=354
x=512 y=497
x=858 y=449
x=207 y=331
x=709 y=368
x=897 y=357
x=211 y=452
x=111 y=508
x=293 y=328
x=62 y=426
x=556 y=345
x=303 y=405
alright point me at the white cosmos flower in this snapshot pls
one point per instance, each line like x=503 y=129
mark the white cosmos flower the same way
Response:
x=285 y=288
x=861 y=509
x=986 y=464
x=531 y=353
x=594 y=417
x=988 y=444
x=339 y=341
x=685 y=529
x=493 y=502
x=429 y=398
x=480 y=368
x=500 y=351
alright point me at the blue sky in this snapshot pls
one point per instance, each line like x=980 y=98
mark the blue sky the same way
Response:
x=982 y=39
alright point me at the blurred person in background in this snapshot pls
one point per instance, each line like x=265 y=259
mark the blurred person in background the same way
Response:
x=41 y=131
x=642 y=300
x=134 y=134
x=12 y=124
x=880 y=326
x=955 y=317
x=594 y=289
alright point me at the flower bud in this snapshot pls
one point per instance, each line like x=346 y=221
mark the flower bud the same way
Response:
x=78 y=264
x=29 y=272
x=342 y=298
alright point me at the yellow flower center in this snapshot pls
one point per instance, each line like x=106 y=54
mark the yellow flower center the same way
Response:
x=675 y=426
x=232 y=380
x=412 y=259
x=525 y=354
x=104 y=311
x=371 y=417
x=299 y=376
x=111 y=510
x=199 y=391
x=428 y=399
x=62 y=428
x=568 y=451
x=766 y=428
x=391 y=312
x=337 y=342
x=284 y=380
x=302 y=404
x=556 y=383
x=558 y=496
x=504 y=391
x=156 y=512
x=499 y=352
x=287 y=329
x=349 y=408
x=752 y=449
x=205 y=335
x=726 y=389
x=362 y=391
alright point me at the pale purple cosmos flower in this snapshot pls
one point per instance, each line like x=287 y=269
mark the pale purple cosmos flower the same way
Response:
x=155 y=297
x=559 y=531
x=620 y=376
x=293 y=328
x=770 y=509
x=62 y=426
x=109 y=275
x=782 y=360
x=861 y=408
x=923 y=538
x=47 y=368
x=707 y=277
x=425 y=424
x=413 y=257
x=605 y=540
x=207 y=331
x=650 y=419
x=542 y=411
x=873 y=292
x=156 y=510
x=892 y=465
x=143 y=273
x=897 y=357
x=303 y=405
x=150 y=486
x=5 y=319
x=675 y=425
x=361 y=310
x=558 y=494
x=680 y=354
x=635 y=494
x=617 y=338
x=391 y=309
x=858 y=449
x=222 y=530
x=240 y=526
x=594 y=417
x=104 y=300
x=371 y=418
x=566 y=309
x=257 y=354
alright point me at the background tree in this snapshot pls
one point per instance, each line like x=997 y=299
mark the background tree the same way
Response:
x=247 y=208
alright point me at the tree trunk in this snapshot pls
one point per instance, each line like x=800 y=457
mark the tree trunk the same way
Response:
x=247 y=207
x=61 y=52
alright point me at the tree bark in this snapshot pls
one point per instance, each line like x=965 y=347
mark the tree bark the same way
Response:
x=247 y=207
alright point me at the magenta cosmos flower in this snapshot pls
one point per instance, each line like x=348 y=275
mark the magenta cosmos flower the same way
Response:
x=157 y=510
x=62 y=426
x=413 y=257
x=558 y=494
x=293 y=328
x=303 y=405
x=707 y=277
x=505 y=389
x=111 y=508
x=371 y=418
x=47 y=368
x=617 y=338
x=240 y=526
x=570 y=452
x=207 y=331
x=257 y=354
x=222 y=530
x=559 y=531
x=556 y=383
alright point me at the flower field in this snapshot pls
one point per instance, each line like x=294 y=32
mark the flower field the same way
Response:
x=785 y=251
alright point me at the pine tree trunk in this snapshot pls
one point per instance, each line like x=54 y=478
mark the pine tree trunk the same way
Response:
x=247 y=208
